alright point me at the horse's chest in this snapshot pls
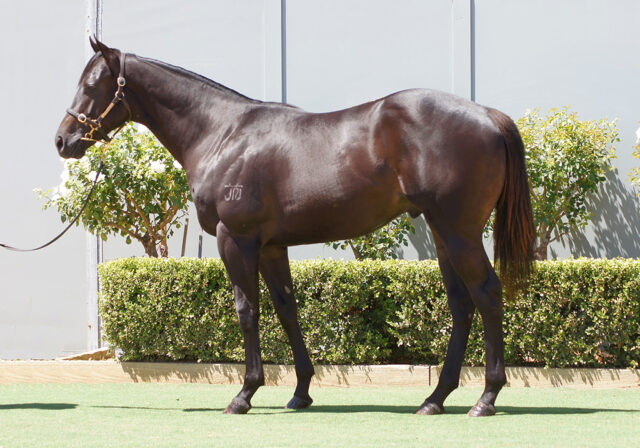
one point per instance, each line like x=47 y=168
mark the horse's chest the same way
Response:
x=206 y=209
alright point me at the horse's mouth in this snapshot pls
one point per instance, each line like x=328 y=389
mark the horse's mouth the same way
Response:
x=73 y=154
x=73 y=149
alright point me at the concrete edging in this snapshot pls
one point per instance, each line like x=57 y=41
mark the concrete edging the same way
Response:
x=12 y=372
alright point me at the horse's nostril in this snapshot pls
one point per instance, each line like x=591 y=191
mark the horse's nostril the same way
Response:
x=59 y=142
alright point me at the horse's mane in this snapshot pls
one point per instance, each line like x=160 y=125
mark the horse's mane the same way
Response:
x=190 y=75
x=195 y=76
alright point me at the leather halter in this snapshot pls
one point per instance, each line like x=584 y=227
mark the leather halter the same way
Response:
x=95 y=124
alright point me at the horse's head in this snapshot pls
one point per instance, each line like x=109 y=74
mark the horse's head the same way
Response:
x=98 y=106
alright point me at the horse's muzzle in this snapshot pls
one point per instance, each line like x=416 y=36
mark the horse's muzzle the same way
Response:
x=70 y=148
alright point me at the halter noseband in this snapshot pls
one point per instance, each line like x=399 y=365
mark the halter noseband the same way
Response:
x=96 y=123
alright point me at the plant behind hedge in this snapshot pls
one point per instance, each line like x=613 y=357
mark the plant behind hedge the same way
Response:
x=576 y=313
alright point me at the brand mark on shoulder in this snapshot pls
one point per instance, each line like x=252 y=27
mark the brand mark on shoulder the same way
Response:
x=233 y=192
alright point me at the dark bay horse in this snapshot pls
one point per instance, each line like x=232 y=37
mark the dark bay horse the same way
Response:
x=265 y=176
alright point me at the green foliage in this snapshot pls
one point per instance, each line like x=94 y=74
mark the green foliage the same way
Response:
x=634 y=175
x=567 y=160
x=381 y=244
x=575 y=313
x=142 y=193
x=183 y=309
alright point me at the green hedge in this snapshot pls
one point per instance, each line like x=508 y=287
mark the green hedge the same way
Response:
x=576 y=313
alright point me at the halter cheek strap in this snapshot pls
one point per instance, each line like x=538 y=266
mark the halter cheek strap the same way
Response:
x=95 y=124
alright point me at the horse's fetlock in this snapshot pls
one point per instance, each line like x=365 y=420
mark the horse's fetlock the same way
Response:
x=497 y=380
x=254 y=380
x=305 y=372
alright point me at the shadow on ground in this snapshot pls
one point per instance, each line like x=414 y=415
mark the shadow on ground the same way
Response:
x=502 y=410
x=354 y=409
x=44 y=406
x=335 y=409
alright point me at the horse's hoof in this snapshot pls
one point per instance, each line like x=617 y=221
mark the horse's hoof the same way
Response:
x=237 y=406
x=299 y=403
x=428 y=408
x=482 y=409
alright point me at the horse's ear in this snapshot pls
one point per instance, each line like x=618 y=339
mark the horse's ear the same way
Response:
x=94 y=43
x=111 y=55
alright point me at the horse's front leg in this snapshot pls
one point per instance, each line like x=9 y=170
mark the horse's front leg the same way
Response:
x=274 y=266
x=240 y=257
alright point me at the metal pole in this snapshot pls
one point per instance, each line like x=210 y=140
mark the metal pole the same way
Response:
x=93 y=26
x=283 y=47
x=184 y=237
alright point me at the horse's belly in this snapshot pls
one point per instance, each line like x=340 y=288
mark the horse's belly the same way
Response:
x=325 y=221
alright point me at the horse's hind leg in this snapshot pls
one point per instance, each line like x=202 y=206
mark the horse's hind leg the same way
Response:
x=470 y=262
x=462 y=311
x=274 y=266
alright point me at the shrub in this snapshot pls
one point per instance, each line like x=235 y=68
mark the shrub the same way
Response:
x=381 y=244
x=567 y=159
x=583 y=313
x=142 y=194
x=634 y=175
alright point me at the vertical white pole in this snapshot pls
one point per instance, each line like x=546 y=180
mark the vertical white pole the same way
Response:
x=273 y=51
x=93 y=26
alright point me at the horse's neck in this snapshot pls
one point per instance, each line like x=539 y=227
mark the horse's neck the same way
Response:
x=181 y=110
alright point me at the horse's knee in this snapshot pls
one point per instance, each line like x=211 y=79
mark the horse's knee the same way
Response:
x=247 y=318
x=462 y=314
x=286 y=310
x=283 y=309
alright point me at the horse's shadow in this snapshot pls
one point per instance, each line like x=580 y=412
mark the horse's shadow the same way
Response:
x=43 y=406
x=452 y=410
x=333 y=409
x=502 y=410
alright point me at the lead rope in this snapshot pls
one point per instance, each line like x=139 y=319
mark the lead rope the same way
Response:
x=84 y=205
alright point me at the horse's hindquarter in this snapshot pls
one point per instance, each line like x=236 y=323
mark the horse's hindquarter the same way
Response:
x=449 y=155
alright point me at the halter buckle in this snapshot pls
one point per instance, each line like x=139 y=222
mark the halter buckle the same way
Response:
x=82 y=118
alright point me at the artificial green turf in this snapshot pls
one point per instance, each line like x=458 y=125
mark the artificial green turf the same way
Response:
x=150 y=415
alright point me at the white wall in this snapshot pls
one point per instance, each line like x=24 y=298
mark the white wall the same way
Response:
x=42 y=294
x=319 y=55
x=581 y=53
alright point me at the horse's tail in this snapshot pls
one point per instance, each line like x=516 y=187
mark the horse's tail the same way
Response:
x=514 y=231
